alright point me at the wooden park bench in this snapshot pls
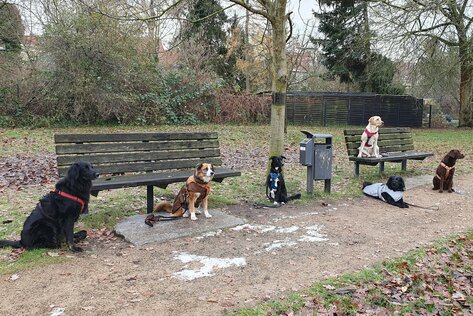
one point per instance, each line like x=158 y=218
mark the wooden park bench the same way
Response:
x=140 y=159
x=395 y=144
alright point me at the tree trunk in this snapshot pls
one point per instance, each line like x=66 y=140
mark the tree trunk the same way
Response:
x=466 y=109
x=466 y=68
x=279 y=79
x=247 y=51
x=367 y=44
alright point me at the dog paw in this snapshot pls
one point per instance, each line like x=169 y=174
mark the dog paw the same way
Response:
x=74 y=248
x=450 y=191
x=186 y=214
x=193 y=217
x=440 y=191
x=198 y=211
x=207 y=215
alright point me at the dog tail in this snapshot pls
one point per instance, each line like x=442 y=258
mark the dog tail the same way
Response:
x=294 y=197
x=163 y=206
x=10 y=243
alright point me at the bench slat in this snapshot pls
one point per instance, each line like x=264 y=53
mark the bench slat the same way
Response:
x=162 y=178
x=382 y=130
x=125 y=137
x=394 y=157
x=100 y=159
x=130 y=147
x=384 y=143
x=385 y=149
x=357 y=138
x=147 y=166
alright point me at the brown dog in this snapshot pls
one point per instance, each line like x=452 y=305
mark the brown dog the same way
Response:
x=192 y=194
x=444 y=175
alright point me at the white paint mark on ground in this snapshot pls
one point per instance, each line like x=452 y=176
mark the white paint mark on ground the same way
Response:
x=57 y=311
x=287 y=230
x=283 y=217
x=255 y=228
x=277 y=244
x=208 y=268
x=313 y=234
x=210 y=234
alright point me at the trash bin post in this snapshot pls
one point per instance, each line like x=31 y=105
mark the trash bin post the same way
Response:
x=317 y=156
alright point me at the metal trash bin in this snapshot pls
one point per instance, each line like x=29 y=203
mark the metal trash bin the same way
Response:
x=317 y=156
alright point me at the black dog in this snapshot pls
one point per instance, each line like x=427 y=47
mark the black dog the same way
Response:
x=392 y=192
x=275 y=186
x=54 y=216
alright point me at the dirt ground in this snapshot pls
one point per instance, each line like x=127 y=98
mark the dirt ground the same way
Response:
x=277 y=251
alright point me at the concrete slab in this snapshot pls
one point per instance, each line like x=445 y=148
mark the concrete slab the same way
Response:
x=134 y=229
x=415 y=181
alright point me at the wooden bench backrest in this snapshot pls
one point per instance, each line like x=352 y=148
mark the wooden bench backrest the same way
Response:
x=137 y=152
x=391 y=139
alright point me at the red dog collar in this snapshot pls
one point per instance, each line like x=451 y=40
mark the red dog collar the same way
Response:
x=71 y=197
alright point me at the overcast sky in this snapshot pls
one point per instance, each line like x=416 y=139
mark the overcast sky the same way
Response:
x=302 y=12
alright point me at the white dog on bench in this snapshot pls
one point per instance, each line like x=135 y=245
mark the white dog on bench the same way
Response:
x=369 y=138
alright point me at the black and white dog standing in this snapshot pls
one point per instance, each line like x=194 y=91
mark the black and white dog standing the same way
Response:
x=391 y=192
x=275 y=186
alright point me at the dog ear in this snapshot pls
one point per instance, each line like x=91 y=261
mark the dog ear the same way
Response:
x=283 y=157
x=199 y=166
x=389 y=183
x=402 y=184
x=74 y=171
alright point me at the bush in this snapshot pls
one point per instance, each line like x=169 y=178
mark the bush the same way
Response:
x=242 y=108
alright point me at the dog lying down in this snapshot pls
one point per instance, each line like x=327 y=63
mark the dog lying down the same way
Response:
x=392 y=192
x=54 y=216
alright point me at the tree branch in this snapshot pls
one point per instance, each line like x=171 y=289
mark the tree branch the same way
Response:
x=212 y=14
x=128 y=18
x=290 y=26
x=254 y=10
x=440 y=39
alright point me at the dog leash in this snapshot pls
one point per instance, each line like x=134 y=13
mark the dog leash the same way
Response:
x=430 y=208
x=261 y=205
x=151 y=219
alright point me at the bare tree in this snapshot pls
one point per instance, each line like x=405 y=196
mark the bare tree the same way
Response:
x=446 y=21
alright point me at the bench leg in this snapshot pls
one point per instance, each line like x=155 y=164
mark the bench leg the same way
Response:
x=357 y=169
x=404 y=165
x=381 y=167
x=149 y=199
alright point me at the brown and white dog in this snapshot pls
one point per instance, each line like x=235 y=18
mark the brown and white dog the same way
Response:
x=369 y=138
x=444 y=175
x=194 y=193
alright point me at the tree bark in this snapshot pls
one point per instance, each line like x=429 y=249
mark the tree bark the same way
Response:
x=466 y=80
x=466 y=109
x=279 y=78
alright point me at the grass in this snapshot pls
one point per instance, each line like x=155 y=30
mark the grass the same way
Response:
x=29 y=259
x=371 y=286
x=250 y=142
